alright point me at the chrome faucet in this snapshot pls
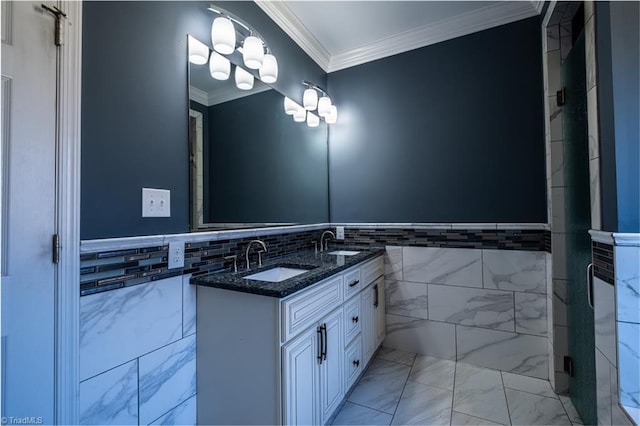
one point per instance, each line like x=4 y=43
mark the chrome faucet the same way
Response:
x=326 y=243
x=264 y=246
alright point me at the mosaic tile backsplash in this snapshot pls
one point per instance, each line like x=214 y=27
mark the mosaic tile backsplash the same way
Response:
x=110 y=270
x=603 y=262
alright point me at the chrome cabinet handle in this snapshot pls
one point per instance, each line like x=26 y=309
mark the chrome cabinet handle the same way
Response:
x=590 y=284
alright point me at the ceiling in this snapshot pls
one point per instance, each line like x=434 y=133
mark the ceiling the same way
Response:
x=340 y=34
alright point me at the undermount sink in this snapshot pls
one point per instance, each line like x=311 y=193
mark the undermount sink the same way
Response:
x=277 y=274
x=344 y=253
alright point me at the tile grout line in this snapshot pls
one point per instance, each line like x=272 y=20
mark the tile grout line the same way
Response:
x=453 y=391
x=403 y=388
x=506 y=401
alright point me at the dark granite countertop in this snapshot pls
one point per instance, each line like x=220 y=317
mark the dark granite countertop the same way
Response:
x=321 y=266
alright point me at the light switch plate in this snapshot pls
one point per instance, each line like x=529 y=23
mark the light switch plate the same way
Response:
x=156 y=202
x=339 y=232
x=176 y=255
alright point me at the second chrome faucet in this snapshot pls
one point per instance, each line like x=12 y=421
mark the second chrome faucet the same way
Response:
x=264 y=250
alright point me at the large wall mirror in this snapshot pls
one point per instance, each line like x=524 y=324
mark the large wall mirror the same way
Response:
x=251 y=164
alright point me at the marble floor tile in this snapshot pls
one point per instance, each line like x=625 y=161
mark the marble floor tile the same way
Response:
x=479 y=393
x=528 y=384
x=529 y=409
x=434 y=372
x=381 y=386
x=572 y=413
x=354 y=414
x=396 y=355
x=461 y=419
x=423 y=405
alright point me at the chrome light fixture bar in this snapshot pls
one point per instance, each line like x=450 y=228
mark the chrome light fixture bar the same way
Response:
x=230 y=33
x=311 y=101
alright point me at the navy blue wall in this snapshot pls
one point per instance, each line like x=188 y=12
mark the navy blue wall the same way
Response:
x=135 y=106
x=264 y=167
x=452 y=132
x=618 y=53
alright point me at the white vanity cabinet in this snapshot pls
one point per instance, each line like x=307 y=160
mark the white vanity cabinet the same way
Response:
x=265 y=360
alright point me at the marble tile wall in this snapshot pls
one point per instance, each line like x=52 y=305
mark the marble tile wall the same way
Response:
x=137 y=354
x=478 y=306
x=627 y=272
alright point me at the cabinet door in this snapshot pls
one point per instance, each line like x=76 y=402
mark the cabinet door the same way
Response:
x=332 y=365
x=368 y=324
x=379 y=311
x=353 y=364
x=300 y=379
x=352 y=319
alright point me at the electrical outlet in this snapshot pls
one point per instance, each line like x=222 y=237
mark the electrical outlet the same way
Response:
x=176 y=255
x=156 y=202
x=339 y=232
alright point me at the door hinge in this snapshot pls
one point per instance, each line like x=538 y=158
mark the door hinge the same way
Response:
x=561 y=97
x=55 y=248
x=60 y=15
x=568 y=365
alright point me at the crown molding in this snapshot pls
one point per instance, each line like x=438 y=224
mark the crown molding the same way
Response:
x=478 y=20
x=474 y=21
x=200 y=96
x=278 y=11
x=538 y=4
x=224 y=94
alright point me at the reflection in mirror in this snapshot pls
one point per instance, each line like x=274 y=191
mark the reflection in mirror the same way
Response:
x=251 y=164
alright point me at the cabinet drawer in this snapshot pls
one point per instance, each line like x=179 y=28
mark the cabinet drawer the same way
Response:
x=302 y=311
x=351 y=283
x=353 y=362
x=371 y=271
x=352 y=319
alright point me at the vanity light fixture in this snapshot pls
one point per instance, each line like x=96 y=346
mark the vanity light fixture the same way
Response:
x=244 y=79
x=333 y=115
x=290 y=107
x=229 y=33
x=223 y=35
x=198 y=51
x=269 y=69
x=310 y=99
x=300 y=115
x=219 y=66
x=324 y=106
x=312 y=120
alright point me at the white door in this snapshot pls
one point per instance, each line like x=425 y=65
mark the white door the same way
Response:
x=332 y=366
x=300 y=378
x=28 y=210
